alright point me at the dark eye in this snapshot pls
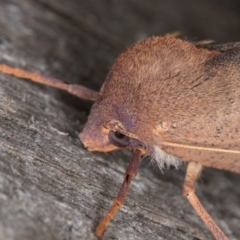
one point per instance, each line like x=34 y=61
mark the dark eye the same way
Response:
x=118 y=139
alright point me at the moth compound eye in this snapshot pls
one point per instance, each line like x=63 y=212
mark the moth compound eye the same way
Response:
x=118 y=139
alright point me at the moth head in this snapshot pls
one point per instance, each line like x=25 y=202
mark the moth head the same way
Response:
x=105 y=132
x=102 y=134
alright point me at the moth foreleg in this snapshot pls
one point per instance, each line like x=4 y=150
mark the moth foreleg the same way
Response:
x=131 y=172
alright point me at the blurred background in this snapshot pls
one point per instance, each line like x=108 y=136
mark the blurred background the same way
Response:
x=88 y=35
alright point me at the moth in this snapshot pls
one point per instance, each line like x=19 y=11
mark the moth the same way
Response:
x=169 y=99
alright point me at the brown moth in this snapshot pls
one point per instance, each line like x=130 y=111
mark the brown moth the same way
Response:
x=170 y=99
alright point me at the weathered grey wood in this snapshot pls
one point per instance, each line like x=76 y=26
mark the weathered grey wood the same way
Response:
x=50 y=186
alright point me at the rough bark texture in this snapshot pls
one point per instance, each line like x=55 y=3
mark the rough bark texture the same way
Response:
x=50 y=186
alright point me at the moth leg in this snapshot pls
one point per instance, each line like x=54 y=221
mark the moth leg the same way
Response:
x=74 y=89
x=192 y=174
x=131 y=172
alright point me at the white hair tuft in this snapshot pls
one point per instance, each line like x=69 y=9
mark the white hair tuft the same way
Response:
x=165 y=160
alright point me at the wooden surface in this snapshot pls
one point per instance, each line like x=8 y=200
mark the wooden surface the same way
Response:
x=50 y=186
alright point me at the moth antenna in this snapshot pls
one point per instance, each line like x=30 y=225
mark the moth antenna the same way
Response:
x=74 y=89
